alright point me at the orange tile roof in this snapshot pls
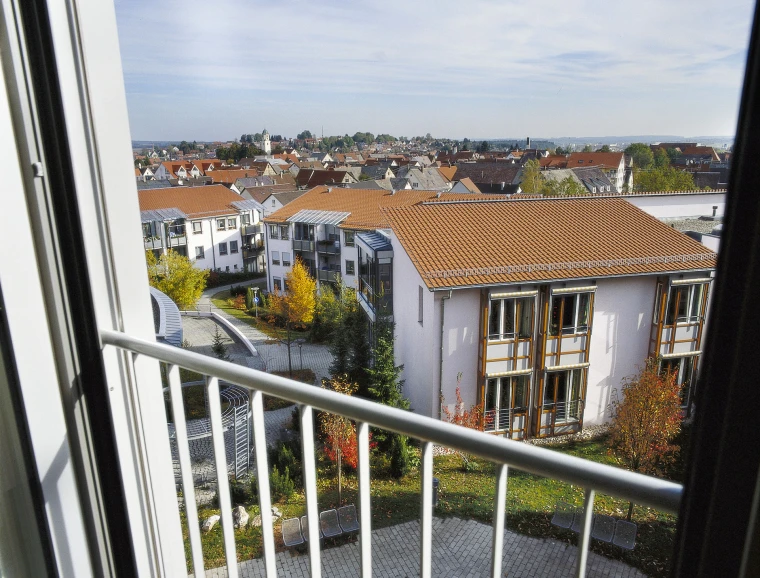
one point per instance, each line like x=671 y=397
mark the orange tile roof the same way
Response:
x=540 y=240
x=611 y=160
x=447 y=172
x=195 y=202
x=365 y=205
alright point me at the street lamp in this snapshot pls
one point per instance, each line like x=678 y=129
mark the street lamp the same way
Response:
x=300 y=342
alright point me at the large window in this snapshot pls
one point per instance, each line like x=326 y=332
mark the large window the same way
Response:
x=275 y=257
x=220 y=224
x=569 y=314
x=348 y=238
x=350 y=267
x=684 y=304
x=505 y=396
x=222 y=248
x=508 y=318
x=284 y=232
x=199 y=253
x=303 y=232
x=197 y=227
x=232 y=223
x=233 y=246
x=285 y=259
x=274 y=232
x=683 y=368
x=562 y=394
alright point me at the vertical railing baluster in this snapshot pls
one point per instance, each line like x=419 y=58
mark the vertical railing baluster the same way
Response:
x=310 y=487
x=262 y=477
x=183 y=452
x=365 y=513
x=499 y=515
x=222 y=481
x=426 y=514
x=585 y=536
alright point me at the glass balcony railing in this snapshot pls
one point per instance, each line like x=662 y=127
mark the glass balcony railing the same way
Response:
x=591 y=476
x=153 y=243
x=303 y=245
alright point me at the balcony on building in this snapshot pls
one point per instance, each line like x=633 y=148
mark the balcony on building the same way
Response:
x=375 y=254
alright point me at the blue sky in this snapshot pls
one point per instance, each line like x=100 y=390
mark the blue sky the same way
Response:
x=480 y=68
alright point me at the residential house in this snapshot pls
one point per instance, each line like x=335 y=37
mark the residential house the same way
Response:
x=615 y=165
x=376 y=172
x=542 y=333
x=211 y=225
x=309 y=178
x=427 y=179
x=491 y=177
x=465 y=186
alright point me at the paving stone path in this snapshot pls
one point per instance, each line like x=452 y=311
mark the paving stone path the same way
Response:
x=461 y=548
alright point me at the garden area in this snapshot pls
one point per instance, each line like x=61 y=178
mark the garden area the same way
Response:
x=466 y=494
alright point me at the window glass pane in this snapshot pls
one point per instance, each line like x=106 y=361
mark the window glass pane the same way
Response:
x=493 y=319
x=490 y=400
x=554 y=315
x=520 y=385
x=505 y=401
x=561 y=386
x=670 y=317
x=508 y=312
x=584 y=299
x=550 y=387
x=696 y=301
x=682 y=302
x=568 y=314
x=526 y=317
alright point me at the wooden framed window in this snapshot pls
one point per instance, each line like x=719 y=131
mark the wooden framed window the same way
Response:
x=562 y=395
x=569 y=314
x=684 y=304
x=503 y=398
x=508 y=318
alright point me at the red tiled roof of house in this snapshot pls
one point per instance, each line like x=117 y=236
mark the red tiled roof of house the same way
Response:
x=599 y=238
x=364 y=205
x=608 y=160
x=195 y=202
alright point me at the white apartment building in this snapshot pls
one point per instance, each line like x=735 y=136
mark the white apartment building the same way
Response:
x=215 y=227
x=541 y=321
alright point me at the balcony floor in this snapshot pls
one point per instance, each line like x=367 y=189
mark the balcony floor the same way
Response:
x=461 y=548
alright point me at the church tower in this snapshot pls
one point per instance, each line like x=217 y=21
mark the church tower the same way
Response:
x=266 y=143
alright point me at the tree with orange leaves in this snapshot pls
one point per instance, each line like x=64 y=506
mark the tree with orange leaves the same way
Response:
x=646 y=421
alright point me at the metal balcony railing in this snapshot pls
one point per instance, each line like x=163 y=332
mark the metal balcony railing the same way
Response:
x=592 y=476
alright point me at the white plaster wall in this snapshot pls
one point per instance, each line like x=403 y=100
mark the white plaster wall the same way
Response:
x=679 y=206
x=461 y=327
x=277 y=270
x=619 y=339
x=210 y=240
x=350 y=254
x=417 y=345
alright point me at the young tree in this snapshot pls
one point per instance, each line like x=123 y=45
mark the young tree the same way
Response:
x=663 y=179
x=661 y=158
x=296 y=304
x=532 y=179
x=340 y=432
x=471 y=418
x=646 y=421
x=386 y=388
x=176 y=276
x=604 y=149
x=218 y=347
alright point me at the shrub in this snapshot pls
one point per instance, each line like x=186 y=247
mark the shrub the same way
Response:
x=240 y=492
x=282 y=487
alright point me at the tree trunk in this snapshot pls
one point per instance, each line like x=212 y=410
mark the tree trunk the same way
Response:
x=290 y=363
x=630 y=511
x=340 y=487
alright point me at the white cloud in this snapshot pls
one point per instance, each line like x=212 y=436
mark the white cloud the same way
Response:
x=445 y=57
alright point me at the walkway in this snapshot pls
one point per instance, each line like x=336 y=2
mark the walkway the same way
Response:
x=273 y=355
x=461 y=548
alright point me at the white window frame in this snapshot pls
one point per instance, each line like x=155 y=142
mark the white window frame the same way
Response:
x=234 y=247
x=497 y=425
x=695 y=291
x=574 y=329
x=353 y=267
x=200 y=252
x=232 y=223
x=275 y=257
x=286 y=259
x=221 y=224
x=571 y=373
x=223 y=248
x=199 y=229
x=274 y=231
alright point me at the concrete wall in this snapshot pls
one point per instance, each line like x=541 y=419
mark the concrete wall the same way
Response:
x=619 y=339
x=417 y=345
x=672 y=206
x=209 y=239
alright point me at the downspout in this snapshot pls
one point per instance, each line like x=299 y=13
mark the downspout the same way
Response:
x=440 y=372
x=213 y=250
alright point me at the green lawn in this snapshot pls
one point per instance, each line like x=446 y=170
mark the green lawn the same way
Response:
x=220 y=300
x=530 y=505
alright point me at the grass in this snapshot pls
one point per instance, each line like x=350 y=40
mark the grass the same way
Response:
x=530 y=505
x=270 y=330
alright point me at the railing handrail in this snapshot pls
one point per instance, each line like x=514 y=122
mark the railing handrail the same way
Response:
x=638 y=488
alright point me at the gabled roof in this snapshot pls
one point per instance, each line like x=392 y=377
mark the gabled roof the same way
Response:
x=491 y=173
x=448 y=172
x=363 y=205
x=606 y=160
x=195 y=202
x=600 y=238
